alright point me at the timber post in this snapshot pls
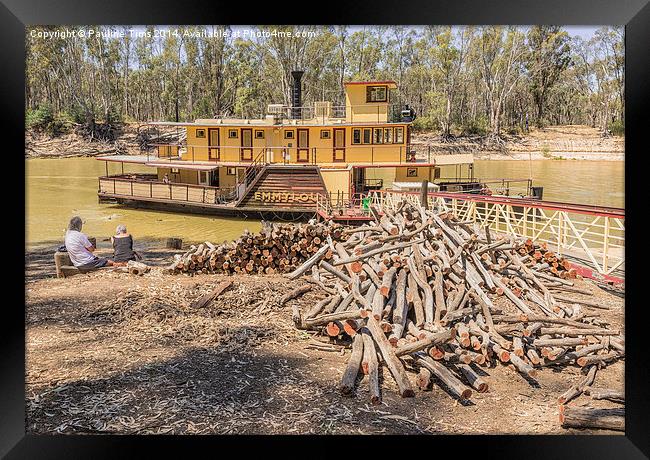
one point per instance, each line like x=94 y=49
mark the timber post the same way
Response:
x=424 y=194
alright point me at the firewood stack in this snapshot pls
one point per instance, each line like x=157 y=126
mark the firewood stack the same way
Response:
x=277 y=248
x=422 y=291
x=546 y=260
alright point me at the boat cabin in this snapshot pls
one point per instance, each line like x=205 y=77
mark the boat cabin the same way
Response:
x=292 y=159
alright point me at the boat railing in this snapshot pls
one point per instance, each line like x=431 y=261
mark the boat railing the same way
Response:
x=502 y=187
x=353 y=113
x=595 y=235
x=132 y=186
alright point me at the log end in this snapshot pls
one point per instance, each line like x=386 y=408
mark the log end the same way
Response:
x=408 y=393
x=333 y=329
x=466 y=394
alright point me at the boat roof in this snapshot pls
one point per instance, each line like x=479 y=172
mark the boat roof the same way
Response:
x=264 y=123
x=391 y=84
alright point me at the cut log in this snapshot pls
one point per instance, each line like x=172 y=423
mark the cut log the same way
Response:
x=208 y=297
x=577 y=389
x=473 y=378
x=61 y=259
x=522 y=366
x=297 y=292
x=424 y=378
x=586 y=417
x=610 y=395
x=393 y=363
x=370 y=357
x=352 y=369
x=454 y=385
x=137 y=268
x=309 y=263
x=430 y=340
x=174 y=243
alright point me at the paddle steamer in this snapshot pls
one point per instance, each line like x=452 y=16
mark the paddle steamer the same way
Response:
x=295 y=160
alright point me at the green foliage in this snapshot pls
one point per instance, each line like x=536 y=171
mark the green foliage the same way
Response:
x=617 y=128
x=546 y=151
x=43 y=120
x=74 y=114
x=425 y=124
x=39 y=118
x=478 y=127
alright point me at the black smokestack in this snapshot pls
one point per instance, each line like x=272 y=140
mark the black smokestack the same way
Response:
x=296 y=94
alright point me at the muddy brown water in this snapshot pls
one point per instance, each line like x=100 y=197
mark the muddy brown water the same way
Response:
x=56 y=189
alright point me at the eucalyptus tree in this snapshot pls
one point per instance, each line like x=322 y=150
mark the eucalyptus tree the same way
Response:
x=548 y=57
x=501 y=56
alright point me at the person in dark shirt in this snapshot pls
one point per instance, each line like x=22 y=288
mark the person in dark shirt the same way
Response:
x=123 y=246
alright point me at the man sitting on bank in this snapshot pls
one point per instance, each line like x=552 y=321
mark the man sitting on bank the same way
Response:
x=80 y=249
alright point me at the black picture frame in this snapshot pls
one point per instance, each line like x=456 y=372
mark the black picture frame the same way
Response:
x=634 y=14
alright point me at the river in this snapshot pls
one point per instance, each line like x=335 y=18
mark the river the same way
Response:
x=56 y=189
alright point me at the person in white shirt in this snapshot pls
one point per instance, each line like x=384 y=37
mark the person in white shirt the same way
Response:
x=80 y=249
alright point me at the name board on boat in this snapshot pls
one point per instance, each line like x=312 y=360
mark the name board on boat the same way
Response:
x=285 y=197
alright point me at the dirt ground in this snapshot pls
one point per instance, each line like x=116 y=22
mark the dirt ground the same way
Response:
x=109 y=352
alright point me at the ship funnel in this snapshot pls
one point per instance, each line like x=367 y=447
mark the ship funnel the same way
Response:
x=296 y=94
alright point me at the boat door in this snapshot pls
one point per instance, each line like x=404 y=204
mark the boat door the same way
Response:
x=338 y=144
x=303 y=146
x=246 y=144
x=358 y=179
x=213 y=144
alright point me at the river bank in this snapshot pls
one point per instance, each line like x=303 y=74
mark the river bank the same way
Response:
x=110 y=352
x=570 y=142
x=563 y=142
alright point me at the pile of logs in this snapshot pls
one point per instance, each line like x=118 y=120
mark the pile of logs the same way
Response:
x=547 y=260
x=422 y=291
x=277 y=248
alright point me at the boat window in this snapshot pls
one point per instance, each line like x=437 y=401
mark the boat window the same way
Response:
x=399 y=135
x=231 y=171
x=200 y=133
x=176 y=171
x=412 y=172
x=259 y=134
x=232 y=134
x=367 y=135
x=378 y=137
x=388 y=135
x=288 y=134
x=325 y=133
x=356 y=136
x=376 y=94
